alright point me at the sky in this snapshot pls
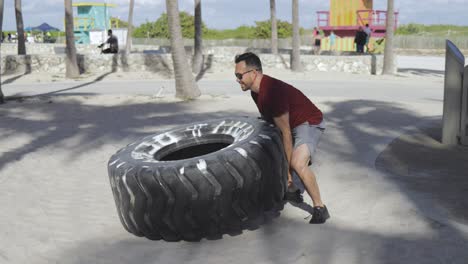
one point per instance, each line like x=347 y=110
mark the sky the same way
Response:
x=225 y=14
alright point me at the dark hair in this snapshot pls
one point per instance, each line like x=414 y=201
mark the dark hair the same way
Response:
x=251 y=60
x=367 y=25
x=109 y=31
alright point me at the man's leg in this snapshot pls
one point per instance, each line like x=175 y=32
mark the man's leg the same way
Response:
x=361 y=48
x=299 y=162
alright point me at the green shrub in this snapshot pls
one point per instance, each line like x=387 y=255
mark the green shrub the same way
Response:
x=160 y=28
x=242 y=32
x=432 y=30
x=410 y=29
x=263 y=29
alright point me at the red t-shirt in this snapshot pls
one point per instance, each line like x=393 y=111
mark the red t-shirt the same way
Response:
x=276 y=98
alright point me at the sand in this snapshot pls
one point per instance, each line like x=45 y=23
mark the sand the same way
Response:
x=57 y=206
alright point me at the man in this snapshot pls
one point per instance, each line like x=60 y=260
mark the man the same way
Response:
x=48 y=37
x=300 y=122
x=368 y=32
x=113 y=43
x=317 y=43
x=360 y=40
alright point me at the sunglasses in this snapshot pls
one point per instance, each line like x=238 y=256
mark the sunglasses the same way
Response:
x=239 y=76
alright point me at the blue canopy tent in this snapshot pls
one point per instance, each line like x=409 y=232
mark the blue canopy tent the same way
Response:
x=44 y=27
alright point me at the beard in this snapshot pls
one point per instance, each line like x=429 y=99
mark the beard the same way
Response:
x=244 y=87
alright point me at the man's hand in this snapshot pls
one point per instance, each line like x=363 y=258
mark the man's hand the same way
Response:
x=290 y=181
x=293 y=194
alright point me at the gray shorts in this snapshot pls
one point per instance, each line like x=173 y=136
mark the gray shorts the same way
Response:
x=308 y=134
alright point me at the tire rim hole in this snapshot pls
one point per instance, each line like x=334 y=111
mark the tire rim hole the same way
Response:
x=194 y=147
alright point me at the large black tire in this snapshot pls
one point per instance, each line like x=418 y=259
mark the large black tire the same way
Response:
x=199 y=180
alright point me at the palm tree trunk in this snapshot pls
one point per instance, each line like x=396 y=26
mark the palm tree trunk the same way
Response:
x=389 y=54
x=20 y=28
x=1 y=30
x=71 y=62
x=197 y=63
x=295 y=55
x=130 y=26
x=274 y=28
x=186 y=87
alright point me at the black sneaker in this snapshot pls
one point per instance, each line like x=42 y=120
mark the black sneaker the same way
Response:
x=320 y=215
x=294 y=196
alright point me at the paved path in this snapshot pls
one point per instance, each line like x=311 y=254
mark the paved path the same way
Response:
x=57 y=205
x=360 y=87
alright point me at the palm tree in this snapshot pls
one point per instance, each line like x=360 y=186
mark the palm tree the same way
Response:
x=1 y=28
x=197 y=63
x=20 y=28
x=274 y=28
x=295 y=55
x=389 y=55
x=130 y=26
x=186 y=87
x=72 y=70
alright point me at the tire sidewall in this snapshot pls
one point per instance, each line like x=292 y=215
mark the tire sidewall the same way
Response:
x=125 y=154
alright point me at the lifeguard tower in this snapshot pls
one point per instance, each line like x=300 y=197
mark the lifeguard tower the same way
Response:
x=90 y=17
x=346 y=16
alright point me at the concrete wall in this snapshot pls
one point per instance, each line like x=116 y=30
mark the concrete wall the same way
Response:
x=45 y=48
x=401 y=42
x=51 y=58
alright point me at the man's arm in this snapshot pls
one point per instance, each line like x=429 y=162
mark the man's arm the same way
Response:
x=282 y=122
x=104 y=43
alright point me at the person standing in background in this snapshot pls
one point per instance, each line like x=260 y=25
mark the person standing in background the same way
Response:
x=317 y=43
x=368 y=32
x=360 y=40
x=332 y=39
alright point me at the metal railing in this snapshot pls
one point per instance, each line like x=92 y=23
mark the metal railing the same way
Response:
x=323 y=18
x=83 y=23
x=374 y=17
x=371 y=17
